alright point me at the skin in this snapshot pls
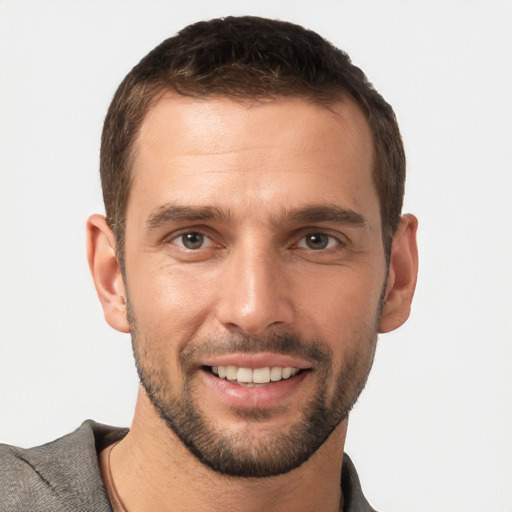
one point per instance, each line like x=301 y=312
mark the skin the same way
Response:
x=262 y=168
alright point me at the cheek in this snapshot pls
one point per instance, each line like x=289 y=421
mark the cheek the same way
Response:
x=345 y=317
x=344 y=299
x=167 y=299
x=350 y=330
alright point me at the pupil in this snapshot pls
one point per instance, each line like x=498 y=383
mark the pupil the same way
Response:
x=192 y=240
x=317 y=241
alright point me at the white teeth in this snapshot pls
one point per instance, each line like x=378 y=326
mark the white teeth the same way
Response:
x=231 y=372
x=244 y=375
x=276 y=374
x=261 y=375
x=287 y=373
x=254 y=376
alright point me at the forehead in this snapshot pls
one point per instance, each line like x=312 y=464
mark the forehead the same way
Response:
x=226 y=123
x=219 y=151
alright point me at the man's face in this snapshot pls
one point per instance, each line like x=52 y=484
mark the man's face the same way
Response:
x=254 y=273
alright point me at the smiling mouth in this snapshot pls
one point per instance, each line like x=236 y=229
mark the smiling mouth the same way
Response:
x=253 y=377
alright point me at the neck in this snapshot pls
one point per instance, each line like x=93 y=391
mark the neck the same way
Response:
x=153 y=470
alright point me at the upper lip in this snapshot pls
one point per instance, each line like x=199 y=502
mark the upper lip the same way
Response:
x=260 y=360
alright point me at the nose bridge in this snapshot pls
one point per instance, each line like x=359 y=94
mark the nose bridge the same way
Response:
x=254 y=291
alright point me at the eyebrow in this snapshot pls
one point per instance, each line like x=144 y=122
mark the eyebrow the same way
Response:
x=171 y=213
x=327 y=213
x=308 y=214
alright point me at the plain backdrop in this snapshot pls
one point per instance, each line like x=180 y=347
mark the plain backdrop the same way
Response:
x=433 y=429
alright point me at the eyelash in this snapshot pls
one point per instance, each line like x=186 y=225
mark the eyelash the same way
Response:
x=319 y=234
x=328 y=238
x=185 y=233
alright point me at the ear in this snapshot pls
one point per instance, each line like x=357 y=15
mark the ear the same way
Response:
x=403 y=271
x=106 y=272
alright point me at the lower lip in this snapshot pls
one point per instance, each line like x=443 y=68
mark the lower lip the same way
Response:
x=260 y=397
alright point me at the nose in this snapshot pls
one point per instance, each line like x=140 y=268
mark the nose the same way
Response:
x=254 y=293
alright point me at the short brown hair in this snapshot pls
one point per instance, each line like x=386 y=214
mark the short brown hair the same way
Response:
x=246 y=58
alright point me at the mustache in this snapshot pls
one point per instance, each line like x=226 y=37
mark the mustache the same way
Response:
x=287 y=344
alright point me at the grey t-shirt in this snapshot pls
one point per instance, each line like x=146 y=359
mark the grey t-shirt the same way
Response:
x=64 y=476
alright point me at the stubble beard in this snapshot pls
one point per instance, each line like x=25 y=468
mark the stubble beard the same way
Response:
x=271 y=452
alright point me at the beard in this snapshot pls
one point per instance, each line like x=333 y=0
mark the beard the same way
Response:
x=258 y=450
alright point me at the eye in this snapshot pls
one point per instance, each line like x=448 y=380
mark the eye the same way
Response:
x=192 y=240
x=318 y=241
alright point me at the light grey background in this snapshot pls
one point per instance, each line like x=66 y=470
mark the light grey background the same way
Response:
x=433 y=429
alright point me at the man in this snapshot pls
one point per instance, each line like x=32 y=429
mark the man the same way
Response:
x=253 y=247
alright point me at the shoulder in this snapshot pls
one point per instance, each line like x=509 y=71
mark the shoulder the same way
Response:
x=57 y=476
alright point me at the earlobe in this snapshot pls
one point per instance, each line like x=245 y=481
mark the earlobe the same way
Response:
x=106 y=272
x=402 y=276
